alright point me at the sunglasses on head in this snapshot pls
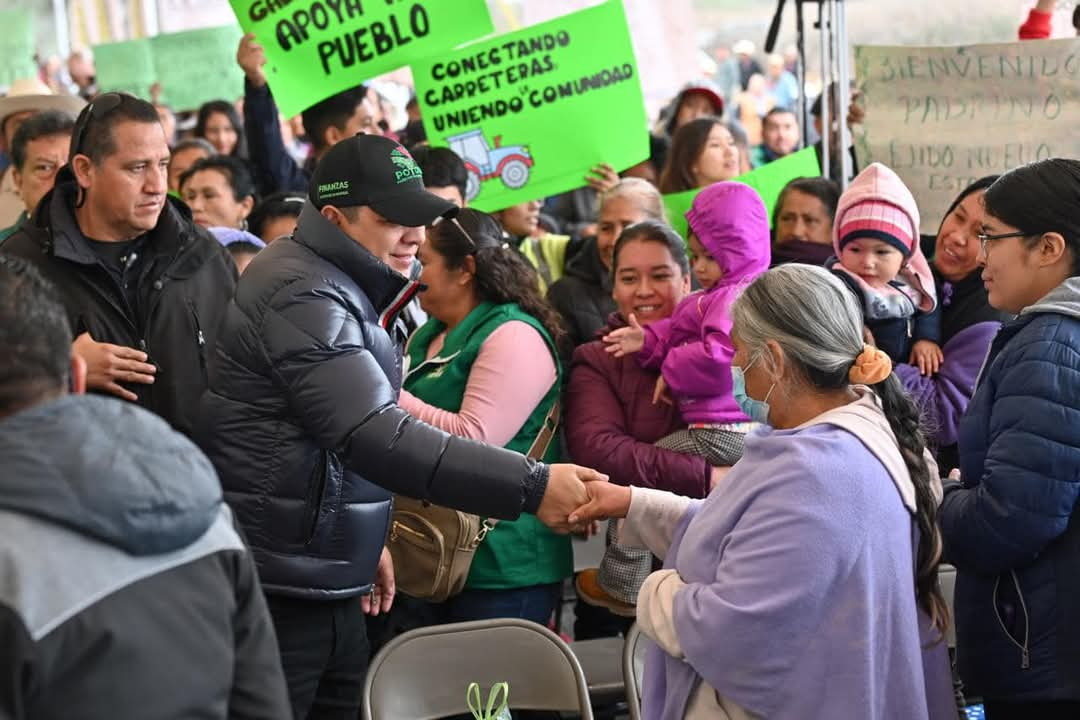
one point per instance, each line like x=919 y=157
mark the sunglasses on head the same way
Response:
x=101 y=106
x=454 y=221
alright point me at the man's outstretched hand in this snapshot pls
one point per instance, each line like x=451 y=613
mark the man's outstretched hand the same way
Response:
x=566 y=493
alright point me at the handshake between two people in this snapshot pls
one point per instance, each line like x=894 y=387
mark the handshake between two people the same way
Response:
x=576 y=497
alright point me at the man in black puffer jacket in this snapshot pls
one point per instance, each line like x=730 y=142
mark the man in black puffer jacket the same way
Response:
x=144 y=287
x=302 y=423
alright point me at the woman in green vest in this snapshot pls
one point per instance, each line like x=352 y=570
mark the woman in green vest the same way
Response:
x=485 y=366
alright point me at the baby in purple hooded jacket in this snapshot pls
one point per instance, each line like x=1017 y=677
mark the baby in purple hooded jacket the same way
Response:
x=730 y=246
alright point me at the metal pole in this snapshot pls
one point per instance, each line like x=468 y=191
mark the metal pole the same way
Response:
x=824 y=23
x=800 y=71
x=843 y=91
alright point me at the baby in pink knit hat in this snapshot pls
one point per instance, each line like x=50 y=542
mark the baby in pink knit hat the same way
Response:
x=876 y=241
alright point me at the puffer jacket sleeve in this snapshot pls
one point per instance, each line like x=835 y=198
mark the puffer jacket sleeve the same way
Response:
x=944 y=397
x=1031 y=473
x=655 y=345
x=344 y=400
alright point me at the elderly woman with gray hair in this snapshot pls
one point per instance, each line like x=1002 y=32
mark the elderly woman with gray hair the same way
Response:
x=806 y=583
x=583 y=295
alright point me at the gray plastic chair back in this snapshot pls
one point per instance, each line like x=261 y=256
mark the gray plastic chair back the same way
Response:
x=423 y=674
x=947 y=579
x=633 y=668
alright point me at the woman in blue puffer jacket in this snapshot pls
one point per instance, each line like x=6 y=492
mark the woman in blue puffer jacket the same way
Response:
x=1011 y=526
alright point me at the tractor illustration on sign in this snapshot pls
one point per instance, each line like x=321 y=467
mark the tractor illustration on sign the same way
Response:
x=510 y=163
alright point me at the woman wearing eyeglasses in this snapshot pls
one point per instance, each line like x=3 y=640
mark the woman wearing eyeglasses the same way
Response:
x=1011 y=525
x=485 y=367
x=968 y=324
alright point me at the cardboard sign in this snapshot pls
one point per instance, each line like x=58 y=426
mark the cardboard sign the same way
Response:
x=942 y=117
x=531 y=111
x=769 y=180
x=316 y=48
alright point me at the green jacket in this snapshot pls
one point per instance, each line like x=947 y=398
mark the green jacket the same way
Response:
x=519 y=553
x=9 y=231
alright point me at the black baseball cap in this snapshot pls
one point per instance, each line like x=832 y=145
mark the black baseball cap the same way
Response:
x=378 y=172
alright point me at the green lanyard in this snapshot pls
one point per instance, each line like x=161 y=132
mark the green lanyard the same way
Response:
x=499 y=692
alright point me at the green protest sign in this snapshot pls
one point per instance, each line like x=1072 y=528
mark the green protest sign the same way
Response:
x=768 y=180
x=126 y=67
x=198 y=65
x=192 y=66
x=316 y=48
x=676 y=206
x=16 y=46
x=531 y=111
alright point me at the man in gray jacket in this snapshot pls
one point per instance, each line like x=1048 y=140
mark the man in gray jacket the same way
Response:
x=125 y=591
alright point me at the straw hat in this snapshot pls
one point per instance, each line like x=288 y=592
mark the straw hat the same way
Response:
x=32 y=94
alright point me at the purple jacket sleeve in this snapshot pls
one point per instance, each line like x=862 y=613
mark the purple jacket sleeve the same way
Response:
x=655 y=347
x=597 y=435
x=695 y=368
x=277 y=171
x=944 y=397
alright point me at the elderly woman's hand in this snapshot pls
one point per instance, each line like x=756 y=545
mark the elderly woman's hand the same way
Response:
x=627 y=340
x=606 y=501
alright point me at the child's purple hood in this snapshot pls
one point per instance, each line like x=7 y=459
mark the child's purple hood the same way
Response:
x=729 y=219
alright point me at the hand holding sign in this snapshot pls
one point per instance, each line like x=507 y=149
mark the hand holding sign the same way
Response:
x=602 y=178
x=251 y=57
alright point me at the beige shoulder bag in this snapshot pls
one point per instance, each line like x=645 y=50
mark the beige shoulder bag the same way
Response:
x=433 y=546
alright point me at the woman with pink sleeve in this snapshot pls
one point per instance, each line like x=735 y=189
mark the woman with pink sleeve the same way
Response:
x=486 y=367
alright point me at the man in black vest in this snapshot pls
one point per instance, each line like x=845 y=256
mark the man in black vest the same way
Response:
x=302 y=422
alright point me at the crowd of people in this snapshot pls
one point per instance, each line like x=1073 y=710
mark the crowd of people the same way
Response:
x=231 y=355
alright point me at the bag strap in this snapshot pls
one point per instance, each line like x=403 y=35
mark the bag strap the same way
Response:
x=536 y=452
x=547 y=432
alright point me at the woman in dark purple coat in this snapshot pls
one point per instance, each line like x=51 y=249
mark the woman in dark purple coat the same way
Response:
x=610 y=419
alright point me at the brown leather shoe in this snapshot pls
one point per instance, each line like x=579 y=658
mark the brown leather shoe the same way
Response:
x=589 y=590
